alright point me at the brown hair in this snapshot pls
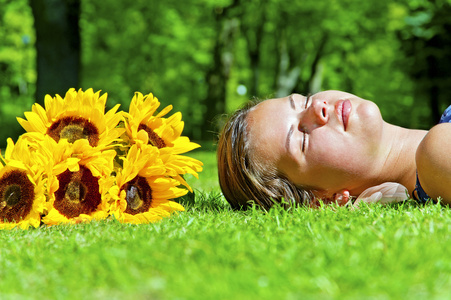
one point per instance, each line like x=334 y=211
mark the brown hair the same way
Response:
x=244 y=180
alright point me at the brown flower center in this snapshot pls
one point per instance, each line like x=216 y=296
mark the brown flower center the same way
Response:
x=74 y=128
x=12 y=195
x=75 y=192
x=17 y=196
x=138 y=195
x=78 y=193
x=154 y=139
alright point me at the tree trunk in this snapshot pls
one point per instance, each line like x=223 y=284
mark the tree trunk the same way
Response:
x=253 y=30
x=57 y=46
x=287 y=75
x=308 y=82
x=433 y=78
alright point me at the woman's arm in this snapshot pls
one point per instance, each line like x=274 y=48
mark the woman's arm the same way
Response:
x=433 y=159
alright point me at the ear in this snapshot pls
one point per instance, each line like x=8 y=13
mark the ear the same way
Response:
x=341 y=197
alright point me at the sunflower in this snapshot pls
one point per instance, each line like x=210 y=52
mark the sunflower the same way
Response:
x=143 y=128
x=22 y=185
x=80 y=115
x=78 y=182
x=142 y=190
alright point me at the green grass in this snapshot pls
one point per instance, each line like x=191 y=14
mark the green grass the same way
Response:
x=211 y=252
x=208 y=178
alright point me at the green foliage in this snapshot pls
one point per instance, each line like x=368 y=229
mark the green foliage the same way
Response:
x=376 y=49
x=426 y=44
x=158 y=47
x=17 y=65
x=16 y=51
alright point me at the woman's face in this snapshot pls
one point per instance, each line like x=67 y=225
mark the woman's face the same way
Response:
x=324 y=143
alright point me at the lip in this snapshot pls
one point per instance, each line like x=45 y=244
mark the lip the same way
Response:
x=343 y=109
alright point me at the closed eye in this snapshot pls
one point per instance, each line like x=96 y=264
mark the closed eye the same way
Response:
x=288 y=139
x=304 y=135
x=307 y=101
x=303 y=141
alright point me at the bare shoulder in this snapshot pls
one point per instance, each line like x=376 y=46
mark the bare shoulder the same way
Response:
x=435 y=140
x=434 y=162
x=442 y=128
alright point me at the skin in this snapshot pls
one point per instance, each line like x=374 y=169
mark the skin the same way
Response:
x=338 y=159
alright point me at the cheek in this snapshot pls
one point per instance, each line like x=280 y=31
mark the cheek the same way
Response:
x=337 y=156
x=326 y=147
x=368 y=115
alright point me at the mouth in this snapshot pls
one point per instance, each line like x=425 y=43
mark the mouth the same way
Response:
x=343 y=109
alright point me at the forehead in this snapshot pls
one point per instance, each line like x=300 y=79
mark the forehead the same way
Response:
x=268 y=127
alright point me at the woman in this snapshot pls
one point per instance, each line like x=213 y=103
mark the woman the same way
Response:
x=331 y=146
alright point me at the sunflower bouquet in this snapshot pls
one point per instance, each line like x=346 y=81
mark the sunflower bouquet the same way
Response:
x=76 y=163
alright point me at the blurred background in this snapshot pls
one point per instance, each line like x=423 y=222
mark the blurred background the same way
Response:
x=208 y=57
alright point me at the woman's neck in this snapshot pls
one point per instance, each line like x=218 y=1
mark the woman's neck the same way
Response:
x=398 y=160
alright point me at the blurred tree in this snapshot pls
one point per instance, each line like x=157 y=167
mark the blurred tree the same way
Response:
x=253 y=17
x=218 y=73
x=300 y=42
x=16 y=51
x=208 y=56
x=57 y=45
x=161 y=47
x=17 y=65
x=426 y=42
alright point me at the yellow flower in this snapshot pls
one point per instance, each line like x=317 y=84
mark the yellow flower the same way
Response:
x=78 y=182
x=22 y=185
x=143 y=128
x=80 y=115
x=142 y=191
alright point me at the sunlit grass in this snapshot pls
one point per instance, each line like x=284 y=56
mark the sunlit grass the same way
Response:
x=212 y=252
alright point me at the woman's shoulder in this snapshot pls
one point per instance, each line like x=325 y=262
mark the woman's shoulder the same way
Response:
x=440 y=131
x=433 y=163
x=436 y=140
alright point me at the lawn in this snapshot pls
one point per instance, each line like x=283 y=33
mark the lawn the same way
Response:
x=211 y=252
x=208 y=178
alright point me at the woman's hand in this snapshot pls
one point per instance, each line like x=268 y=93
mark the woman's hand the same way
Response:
x=388 y=192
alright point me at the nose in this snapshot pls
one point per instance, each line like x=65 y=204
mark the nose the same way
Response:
x=316 y=115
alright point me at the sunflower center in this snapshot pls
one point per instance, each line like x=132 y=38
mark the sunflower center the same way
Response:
x=133 y=198
x=72 y=133
x=138 y=195
x=17 y=196
x=154 y=139
x=12 y=195
x=74 y=128
x=75 y=192
x=78 y=193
